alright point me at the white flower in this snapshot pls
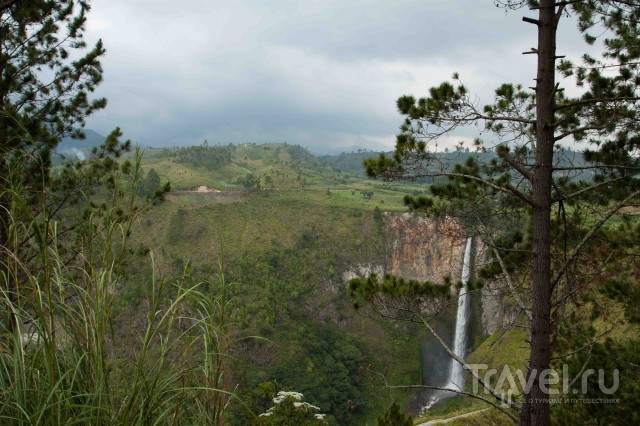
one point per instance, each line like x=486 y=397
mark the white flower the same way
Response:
x=305 y=404
x=282 y=395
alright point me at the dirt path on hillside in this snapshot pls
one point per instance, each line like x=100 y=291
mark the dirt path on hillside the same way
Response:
x=450 y=419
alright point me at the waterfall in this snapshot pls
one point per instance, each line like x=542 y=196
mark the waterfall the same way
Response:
x=463 y=315
x=456 y=376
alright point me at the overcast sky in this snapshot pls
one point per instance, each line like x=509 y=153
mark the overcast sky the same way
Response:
x=321 y=73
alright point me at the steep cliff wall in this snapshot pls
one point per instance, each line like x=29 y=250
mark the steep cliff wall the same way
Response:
x=499 y=310
x=422 y=248
x=427 y=249
x=417 y=248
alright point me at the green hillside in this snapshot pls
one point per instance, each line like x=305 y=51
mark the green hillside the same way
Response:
x=285 y=227
x=286 y=241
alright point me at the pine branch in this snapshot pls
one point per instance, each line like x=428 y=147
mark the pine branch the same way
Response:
x=578 y=130
x=596 y=101
x=505 y=271
x=516 y=165
x=604 y=66
x=589 y=345
x=507 y=189
x=602 y=166
x=579 y=375
x=515 y=294
x=587 y=189
x=596 y=227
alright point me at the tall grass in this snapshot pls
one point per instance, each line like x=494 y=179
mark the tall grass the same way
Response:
x=60 y=360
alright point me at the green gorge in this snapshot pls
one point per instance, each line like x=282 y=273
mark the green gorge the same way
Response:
x=287 y=253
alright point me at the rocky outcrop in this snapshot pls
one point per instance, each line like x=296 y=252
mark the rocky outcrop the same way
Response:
x=423 y=248
x=427 y=249
x=491 y=306
x=417 y=248
x=498 y=308
x=363 y=271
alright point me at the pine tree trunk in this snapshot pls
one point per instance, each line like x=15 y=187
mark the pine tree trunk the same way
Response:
x=536 y=409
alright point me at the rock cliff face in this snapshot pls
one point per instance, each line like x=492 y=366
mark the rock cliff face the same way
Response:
x=422 y=248
x=426 y=249
x=498 y=307
x=363 y=271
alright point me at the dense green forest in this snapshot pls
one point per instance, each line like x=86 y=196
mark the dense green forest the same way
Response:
x=293 y=324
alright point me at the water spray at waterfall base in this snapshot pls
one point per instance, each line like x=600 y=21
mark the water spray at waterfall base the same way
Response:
x=455 y=380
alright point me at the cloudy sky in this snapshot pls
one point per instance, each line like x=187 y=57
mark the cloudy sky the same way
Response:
x=321 y=73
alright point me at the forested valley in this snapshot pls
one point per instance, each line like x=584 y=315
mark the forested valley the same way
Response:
x=481 y=268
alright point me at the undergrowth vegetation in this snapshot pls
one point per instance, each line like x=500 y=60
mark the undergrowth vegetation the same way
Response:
x=60 y=359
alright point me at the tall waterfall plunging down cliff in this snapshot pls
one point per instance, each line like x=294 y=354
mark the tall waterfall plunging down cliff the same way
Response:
x=455 y=380
x=456 y=376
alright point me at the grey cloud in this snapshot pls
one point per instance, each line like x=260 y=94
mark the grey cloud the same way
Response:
x=395 y=30
x=319 y=73
x=261 y=120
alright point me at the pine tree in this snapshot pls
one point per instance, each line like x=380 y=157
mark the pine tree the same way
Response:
x=45 y=83
x=566 y=199
x=393 y=416
x=47 y=74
